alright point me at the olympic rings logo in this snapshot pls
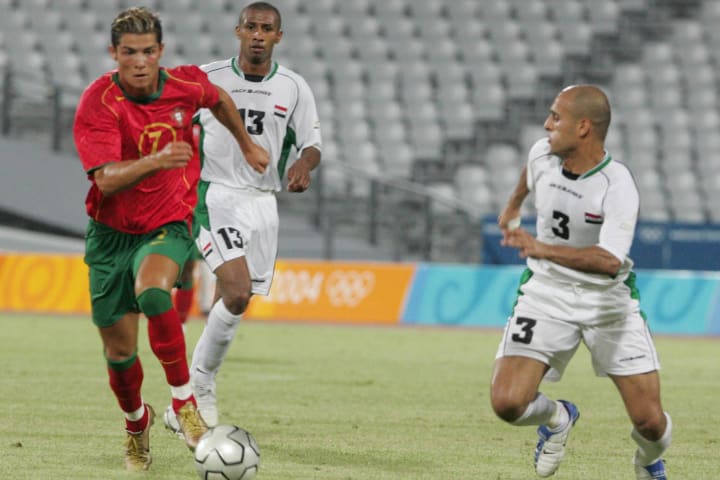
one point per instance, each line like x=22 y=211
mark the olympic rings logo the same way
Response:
x=347 y=288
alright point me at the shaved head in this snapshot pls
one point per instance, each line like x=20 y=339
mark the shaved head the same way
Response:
x=589 y=102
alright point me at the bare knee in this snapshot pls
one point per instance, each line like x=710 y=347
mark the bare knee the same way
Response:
x=651 y=425
x=237 y=300
x=507 y=406
x=118 y=351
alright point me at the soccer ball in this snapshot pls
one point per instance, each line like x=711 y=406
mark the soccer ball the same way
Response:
x=227 y=452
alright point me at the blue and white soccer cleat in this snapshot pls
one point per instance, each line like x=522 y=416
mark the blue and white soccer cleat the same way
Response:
x=550 y=448
x=654 y=471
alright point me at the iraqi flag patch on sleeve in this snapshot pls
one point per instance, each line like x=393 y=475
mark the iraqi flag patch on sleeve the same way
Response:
x=593 y=218
x=280 y=111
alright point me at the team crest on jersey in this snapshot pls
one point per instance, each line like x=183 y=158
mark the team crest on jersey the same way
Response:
x=593 y=218
x=280 y=111
x=178 y=117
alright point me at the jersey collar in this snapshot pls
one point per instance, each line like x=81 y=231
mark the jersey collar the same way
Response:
x=598 y=167
x=236 y=68
x=162 y=76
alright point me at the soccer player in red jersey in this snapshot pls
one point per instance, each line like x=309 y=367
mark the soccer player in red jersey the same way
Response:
x=133 y=133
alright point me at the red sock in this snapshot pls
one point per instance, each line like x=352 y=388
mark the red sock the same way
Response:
x=168 y=343
x=177 y=404
x=183 y=300
x=125 y=381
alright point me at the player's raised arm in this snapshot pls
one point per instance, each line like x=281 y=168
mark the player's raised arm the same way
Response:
x=227 y=114
x=115 y=177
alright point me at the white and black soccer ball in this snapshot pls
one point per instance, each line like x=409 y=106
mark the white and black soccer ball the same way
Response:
x=227 y=452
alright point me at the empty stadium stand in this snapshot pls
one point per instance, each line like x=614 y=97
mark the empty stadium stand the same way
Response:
x=446 y=94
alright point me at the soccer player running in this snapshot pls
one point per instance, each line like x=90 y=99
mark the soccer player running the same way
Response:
x=578 y=286
x=239 y=228
x=133 y=133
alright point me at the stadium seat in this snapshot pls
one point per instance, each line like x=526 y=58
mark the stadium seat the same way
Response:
x=687 y=207
x=501 y=156
x=84 y=23
x=217 y=6
x=374 y=51
x=339 y=50
x=444 y=199
x=548 y=57
x=529 y=12
x=354 y=131
x=288 y=8
x=495 y=12
x=104 y=9
x=603 y=15
x=687 y=33
x=641 y=140
x=426 y=140
x=514 y=54
x=503 y=183
x=478 y=54
x=66 y=7
x=397 y=159
x=357 y=10
x=387 y=133
x=633 y=5
x=397 y=28
x=362 y=29
x=190 y=27
x=629 y=75
x=523 y=81
x=428 y=9
x=461 y=10
x=489 y=103
x=576 y=38
x=389 y=9
x=458 y=121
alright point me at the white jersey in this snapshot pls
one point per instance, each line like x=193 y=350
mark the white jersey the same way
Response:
x=279 y=112
x=598 y=208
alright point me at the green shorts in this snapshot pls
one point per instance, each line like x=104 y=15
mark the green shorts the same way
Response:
x=113 y=259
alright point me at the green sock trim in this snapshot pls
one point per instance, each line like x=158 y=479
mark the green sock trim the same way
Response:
x=122 y=365
x=185 y=285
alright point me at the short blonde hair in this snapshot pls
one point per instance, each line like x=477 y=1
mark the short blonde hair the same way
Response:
x=136 y=20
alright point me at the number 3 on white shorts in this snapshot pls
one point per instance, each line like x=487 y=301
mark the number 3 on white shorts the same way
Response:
x=526 y=330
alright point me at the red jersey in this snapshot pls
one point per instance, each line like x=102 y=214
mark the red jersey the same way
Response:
x=113 y=127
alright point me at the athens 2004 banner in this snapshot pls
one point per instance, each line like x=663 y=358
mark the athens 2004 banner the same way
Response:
x=685 y=303
x=335 y=291
x=301 y=290
x=44 y=283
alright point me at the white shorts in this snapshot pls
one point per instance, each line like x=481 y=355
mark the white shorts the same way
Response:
x=551 y=319
x=245 y=224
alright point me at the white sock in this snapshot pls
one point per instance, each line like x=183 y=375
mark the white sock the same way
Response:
x=137 y=414
x=539 y=412
x=649 y=452
x=560 y=418
x=214 y=342
x=182 y=392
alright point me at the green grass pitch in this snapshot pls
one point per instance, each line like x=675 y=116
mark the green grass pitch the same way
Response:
x=337 y=402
